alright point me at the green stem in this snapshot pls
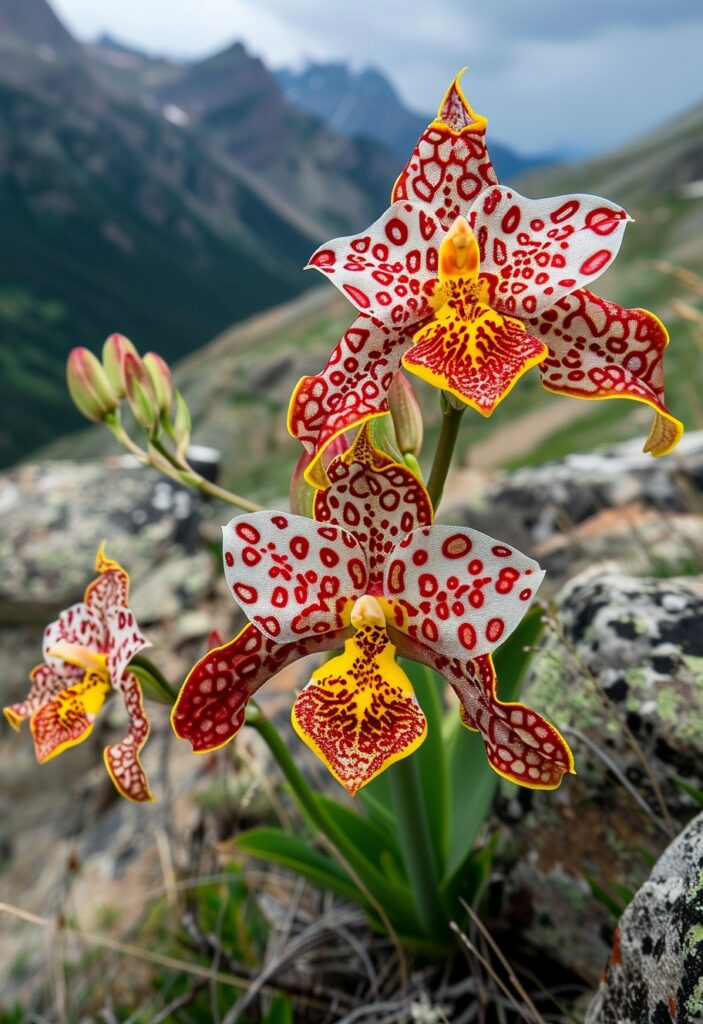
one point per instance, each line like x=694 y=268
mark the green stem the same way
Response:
x=451 y=421
x=176 y=469
x=143 y=665
x=416 y=843
x=382 y=891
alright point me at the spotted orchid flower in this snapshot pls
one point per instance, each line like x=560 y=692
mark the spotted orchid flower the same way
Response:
x=372 y=575
x=87 y=651
x=468 y=284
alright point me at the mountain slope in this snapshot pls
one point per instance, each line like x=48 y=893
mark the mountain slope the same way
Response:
x=113 y=219
x=33 y=23
x=237 y=106
x=365 y=104
x=239 y=385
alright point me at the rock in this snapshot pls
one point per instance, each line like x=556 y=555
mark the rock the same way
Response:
x=171 y=587
x=655 y=971
x=618 y=503
x=621 y=674
x=53 y=516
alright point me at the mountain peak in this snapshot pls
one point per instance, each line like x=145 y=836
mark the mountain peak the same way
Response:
x=32 y=23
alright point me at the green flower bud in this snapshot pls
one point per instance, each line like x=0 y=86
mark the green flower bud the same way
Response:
x=89 y=386
x=382 y=433
x=161 y=381
x=407 y=415
x=140 y=396
x=181 y=427
x=115 y=350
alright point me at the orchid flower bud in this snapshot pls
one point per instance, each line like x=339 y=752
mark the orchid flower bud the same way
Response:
x=406 y=415
x=161 y=381
x=89 y=386
x=140 y=396
x=115 y=350
x=181 y=426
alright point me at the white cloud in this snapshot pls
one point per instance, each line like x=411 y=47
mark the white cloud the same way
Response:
x=547 y=73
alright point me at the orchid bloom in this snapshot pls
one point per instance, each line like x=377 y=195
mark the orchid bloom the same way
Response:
x=87 y=651
x=371 y=574
x=468 y=284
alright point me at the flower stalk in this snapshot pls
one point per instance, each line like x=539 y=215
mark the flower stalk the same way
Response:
x=452 y=412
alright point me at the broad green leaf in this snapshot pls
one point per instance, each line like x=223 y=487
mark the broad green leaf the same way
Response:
x=277 y=847
x=377 y=842
x=472 y=781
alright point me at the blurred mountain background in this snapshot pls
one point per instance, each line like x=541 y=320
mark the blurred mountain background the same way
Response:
x=172 y=199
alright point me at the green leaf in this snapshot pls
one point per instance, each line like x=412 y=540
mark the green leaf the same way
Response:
x=376 y=841
x=696 y=794
x=277 y=847
x=472 y=781
x=280 y=1011
x=431 y=759
x=613 y=905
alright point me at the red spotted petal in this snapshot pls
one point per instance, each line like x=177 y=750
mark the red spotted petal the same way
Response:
x=210 y=708
x=110 y=589
x=520 y=744
x=351 y=388
x=534 y=251
x=459 y=591
x=47 y=682
x=478 y=360
x=124 y=641
x=388 y=271
x=359 y=713
x=598 y=349
x=450 y=164
x=122 y=759
x=291 y=576
x=69 y=716
x=376 y=499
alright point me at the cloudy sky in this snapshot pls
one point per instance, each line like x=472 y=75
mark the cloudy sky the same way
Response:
x=549 y=74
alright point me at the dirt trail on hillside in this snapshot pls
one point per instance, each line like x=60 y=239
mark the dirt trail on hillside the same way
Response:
x=512 y=441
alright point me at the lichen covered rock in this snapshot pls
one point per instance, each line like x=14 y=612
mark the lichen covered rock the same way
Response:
x=655 y=971
x=621 y=673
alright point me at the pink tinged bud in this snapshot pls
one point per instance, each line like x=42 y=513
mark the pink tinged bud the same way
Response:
x=115 y=350
x=161 y=381
x=89 y=386
x=406 y=415
x=140 y=395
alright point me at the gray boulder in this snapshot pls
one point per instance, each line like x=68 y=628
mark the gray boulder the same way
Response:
x=655 y=970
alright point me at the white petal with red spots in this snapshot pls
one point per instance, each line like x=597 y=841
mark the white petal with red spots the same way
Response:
x=124 y=641
x=75 y=625
x=461 y=591
x=390 y=270
x=534 y=251
x=291 y=576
